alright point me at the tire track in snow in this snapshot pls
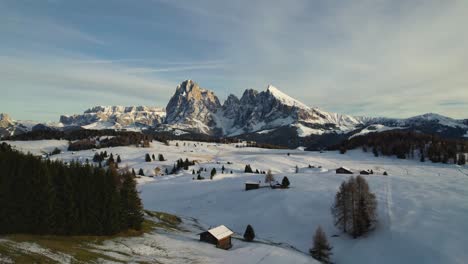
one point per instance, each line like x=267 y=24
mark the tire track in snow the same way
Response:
x=389 y=200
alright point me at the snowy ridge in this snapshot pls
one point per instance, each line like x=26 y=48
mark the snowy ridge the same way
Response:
x=284 y=98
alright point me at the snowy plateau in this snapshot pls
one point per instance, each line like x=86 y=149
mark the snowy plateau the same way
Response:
x=422 y=207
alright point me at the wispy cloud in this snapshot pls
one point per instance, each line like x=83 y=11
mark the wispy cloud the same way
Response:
x=363 y=57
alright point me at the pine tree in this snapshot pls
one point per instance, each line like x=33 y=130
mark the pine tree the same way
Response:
x=297 y=169
x=285 y=182
x=147 y=157
x=140 y=172
x=161 y=157
x=131 y=207
x=249 y=234
x=248 y=169
x=213 y=173
x=462 y=159
x=119 y=160
x=153 y=157
x=321 y=249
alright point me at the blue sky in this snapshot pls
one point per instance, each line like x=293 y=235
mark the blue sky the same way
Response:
x=374 y=57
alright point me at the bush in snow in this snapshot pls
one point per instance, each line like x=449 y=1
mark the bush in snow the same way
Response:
x=269 y=178
x=249 y=234
x=321 y=250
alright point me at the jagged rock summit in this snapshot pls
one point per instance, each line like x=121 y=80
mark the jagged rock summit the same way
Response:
x=192 y=108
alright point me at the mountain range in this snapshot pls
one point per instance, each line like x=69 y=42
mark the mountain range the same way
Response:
x=269 y=116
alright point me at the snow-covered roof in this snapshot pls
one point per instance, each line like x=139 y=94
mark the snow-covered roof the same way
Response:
x=220 y=232
x=346 y=168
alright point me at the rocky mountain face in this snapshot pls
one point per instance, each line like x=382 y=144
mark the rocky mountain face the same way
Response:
x=116 y=115
x=270 y=109
x=5 y=120
x=192 y=108
x=268 y=116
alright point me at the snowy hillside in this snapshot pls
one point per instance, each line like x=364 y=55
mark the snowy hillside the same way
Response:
x=422 y=210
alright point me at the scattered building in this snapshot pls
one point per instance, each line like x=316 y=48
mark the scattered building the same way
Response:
x=343 y=170
x=219 y=236
x=252 y=185
x=364 y=172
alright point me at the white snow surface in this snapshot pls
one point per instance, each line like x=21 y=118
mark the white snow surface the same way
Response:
x=284 y=98
x=422 y=208
x=374 y=128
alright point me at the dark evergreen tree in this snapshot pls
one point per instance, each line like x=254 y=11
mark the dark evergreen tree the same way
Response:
x=249 y=234
x=213 y=173
x=140 y=172
x=153 y=157
x=132 y=209
x=147 y=157
x=285 y=182
x=161 y=157
x=248 y=169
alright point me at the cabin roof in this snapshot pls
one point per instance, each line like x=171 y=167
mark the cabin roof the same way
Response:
x=220 y=232
x=345 y=168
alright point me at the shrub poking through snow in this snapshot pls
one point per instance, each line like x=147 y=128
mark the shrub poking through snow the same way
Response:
x=269 y=178
x=249 y=234
x=321 y=250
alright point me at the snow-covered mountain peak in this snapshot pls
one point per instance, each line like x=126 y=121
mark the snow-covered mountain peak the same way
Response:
x=284 y=98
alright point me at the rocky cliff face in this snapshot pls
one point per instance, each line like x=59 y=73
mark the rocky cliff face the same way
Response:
x=123 y=116
x=192 y=108
x=5 y=120
x=270 y=109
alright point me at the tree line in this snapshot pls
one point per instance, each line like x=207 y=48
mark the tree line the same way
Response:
x=408 y=145
x=50 y=197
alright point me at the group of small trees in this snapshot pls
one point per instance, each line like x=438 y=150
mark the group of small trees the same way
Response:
x=354 y=209
x=149 y=158
x=101 y=156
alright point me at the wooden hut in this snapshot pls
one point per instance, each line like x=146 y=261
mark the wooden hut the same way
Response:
x=364 y=172
x=343 y=170
x=219 y=236
x=252 y=185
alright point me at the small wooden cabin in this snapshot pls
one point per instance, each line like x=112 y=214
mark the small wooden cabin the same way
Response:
x=364 y=172
x=343 y=170
x=252 y=185
x=219 y=236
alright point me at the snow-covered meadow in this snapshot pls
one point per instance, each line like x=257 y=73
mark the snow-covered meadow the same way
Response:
x=423 y=208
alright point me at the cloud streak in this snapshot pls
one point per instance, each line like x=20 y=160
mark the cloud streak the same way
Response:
x=363 y=57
